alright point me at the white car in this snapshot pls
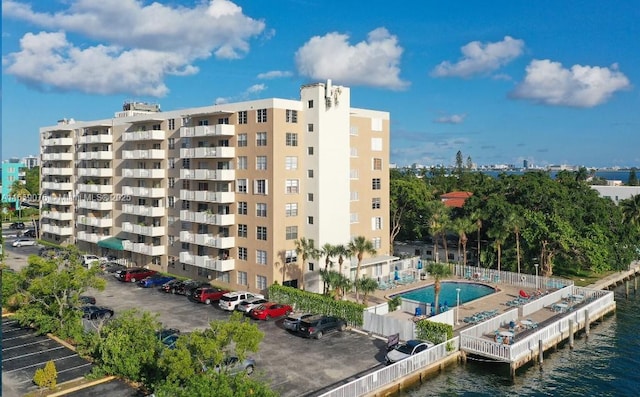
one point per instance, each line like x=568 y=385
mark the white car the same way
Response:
x=246 y=305
x=408 y=349
x=230 y=300
x=90 y=260
x=23 y=242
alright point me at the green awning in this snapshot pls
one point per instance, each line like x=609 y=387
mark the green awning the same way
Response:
x=112 y=243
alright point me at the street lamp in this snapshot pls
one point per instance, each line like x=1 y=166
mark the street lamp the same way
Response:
x=458 y=306
x=536 y=266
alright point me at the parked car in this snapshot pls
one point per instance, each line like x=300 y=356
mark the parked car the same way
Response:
x=30 y=233
x=23 y=242
x=246 y=305
x=112 y=267
x=87 y=300
x=171 y=285
x=16 y=225
x=231 y=299
x=292 y=321
x=188 y=287
x=93 y=312
x=90 y=260
x=107 y=258
x=407 y=349
x=155 y=280
x=318 y=325
x=168 y=337
x=270 y=310
x=207 y=295
x=133 y=274
x=233 y=366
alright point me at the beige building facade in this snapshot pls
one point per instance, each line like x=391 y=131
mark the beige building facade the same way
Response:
x=222 y=192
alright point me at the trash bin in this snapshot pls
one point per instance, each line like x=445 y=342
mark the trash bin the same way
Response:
x=418 y=312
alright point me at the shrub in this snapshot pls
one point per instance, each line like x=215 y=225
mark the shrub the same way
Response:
x=47 y=376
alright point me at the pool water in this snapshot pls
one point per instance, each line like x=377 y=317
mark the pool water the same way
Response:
x=448 y=293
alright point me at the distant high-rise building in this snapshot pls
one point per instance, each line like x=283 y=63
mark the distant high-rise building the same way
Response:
x=31 y=161
x=525 y=164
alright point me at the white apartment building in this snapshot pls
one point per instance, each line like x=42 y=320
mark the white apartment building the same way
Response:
x=222 y=192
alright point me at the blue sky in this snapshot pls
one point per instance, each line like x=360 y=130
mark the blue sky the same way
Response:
x=552 y=82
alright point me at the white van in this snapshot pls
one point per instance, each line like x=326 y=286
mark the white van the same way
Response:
x=90 y=260
x=230 y=300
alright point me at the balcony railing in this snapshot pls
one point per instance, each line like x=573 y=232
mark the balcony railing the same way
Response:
x=153 y=154
x=143 y=173
x=101 y=155
x=94 y=188
x=208 y=130
x=208 y=152
x=213 y=175
x=207 y=262
x=101 y=138
x=143 y=210
x=207 y=240
x=57 y=156
x=95 y=205
x=157 y=192
x=57 y=200
x=57 y=230
x=209 y=197
x=209 y=219
x=56 y=171
x=57 y=142
x=66 y=186
x=145 y=249
x=104 y=172
x=90 y=237
x=149 y=135
x=57 y=215
x=152 y=231
x=94 y=221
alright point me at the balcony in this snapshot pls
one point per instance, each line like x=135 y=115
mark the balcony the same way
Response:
x=142 y=248
x=212 y=175
x=208 y=130
x=95 y=221
x=143 y=210
x=57 y=200
x=152 y=154
x=150 y=135
x=101 y=155
x=95 y=205
x=91 y=237
x=207 y=262
x=57 y=230
x=209 y=219
x=207 y=240
x=156 y=192
x=57 y=156
x=101 y=138
x=67 y=186
x=143 y=173
x=56 y=171
x=208 y=152
x=209 y=197
x=102 y=172
x=57 y=142
x=151 y=231
x=95 y=188
x=57 y=215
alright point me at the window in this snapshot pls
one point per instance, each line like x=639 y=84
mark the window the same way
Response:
x=186 y=163
x=291 y=209
x=241 y=185
x=260 y=186
x=242 y=231
x=171 y=142
x=261 y=163
x=291 y=163
x=171 y=182
x=309 y=196
x=185 y=184
x=291 y=116
x=291 y=232
x=376 y=223
x=261 y=283
x=310 y=173
x=376 y=184
x=261 y=233
x=310 y=220
x=353 y=218
x=223 y=120
x=310 y=266
x=242 y=253
x=309 y=127
x=291 y=139
x=310 y=150
x=242 y=278
x=261 y=209
x=353 y=173
x=310 y=104
x=262 y=115
x=261 y=257
x=242 y=208
x=185 y=204
x=171 y=202
x=242 y=162
x=377 y=242
x=261 y=139
x=203 y=122
x=377 y=164
x=290 y=256
x=292 y=186
x=376 y=144
x=375 y=203
x=172 y=163
x=242 y=140
x=172 y=124
x=242 y=117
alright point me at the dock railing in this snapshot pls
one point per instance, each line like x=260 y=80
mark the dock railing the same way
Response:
x=377 y=380
x=525 y=280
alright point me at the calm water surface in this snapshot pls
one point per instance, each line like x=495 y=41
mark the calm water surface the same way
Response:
x=605 y=364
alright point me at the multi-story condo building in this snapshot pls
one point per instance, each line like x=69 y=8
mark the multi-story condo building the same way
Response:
x=12 y=170
x=223 y=192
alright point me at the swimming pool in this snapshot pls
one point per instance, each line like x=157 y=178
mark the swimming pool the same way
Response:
x=448 y=293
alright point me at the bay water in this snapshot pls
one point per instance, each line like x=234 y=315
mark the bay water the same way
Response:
x=607 y=363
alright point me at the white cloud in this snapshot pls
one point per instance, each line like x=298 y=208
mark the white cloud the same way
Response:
x=256 y=88
x=274 y=74
x=451 y=119
x=481 y=58
x=373 y=62
x=549 y=83
x=130 y=36
x=246 y=94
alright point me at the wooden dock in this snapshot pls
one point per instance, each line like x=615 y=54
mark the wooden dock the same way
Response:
x=619 y=278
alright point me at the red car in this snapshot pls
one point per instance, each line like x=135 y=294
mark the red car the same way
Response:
x=133 y=274
x=270 y=310
x=207 y=295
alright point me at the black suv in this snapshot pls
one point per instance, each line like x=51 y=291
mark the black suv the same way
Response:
x=29 y=233
x=16 y=225
x=318 y=325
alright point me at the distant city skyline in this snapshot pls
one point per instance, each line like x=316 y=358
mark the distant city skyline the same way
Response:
x=548 y=82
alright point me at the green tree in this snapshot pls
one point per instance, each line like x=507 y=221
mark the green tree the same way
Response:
x=214 y=384
x=438 y=226
x=328 y=251
x=20 y=192
x=32 y=180
x=408 y=201
x=631 y=210
x=366 y=285
x=462 y=226
x=305 y=250
x=342 y=252
x=633 y=178
x=438 y=271
x=515 y=223
x=498 y=233
x=358 y=247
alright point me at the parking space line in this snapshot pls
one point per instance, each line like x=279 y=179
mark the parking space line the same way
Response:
x=23 y=345
x=35 y=365
x=59 y=372
x=18 y=337
x=32 y=354
x=11 y=330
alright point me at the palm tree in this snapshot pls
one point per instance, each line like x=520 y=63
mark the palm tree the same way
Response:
x=515 y=223
x=477 y=216
x=327 y=251
x=367 y=285
x=341 y=251
x=358 y=247
x=305 y=250
x=438 y=271
x=631 y=210
x=19 y=191
x=499 y=234
x=462 y=226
